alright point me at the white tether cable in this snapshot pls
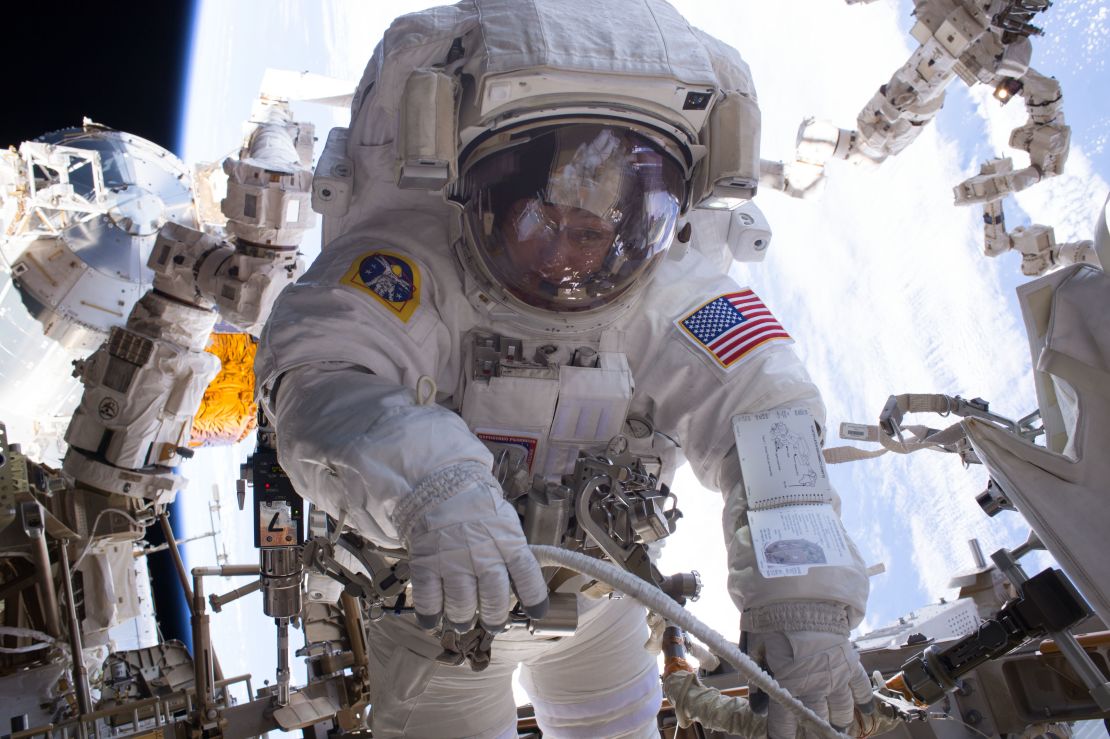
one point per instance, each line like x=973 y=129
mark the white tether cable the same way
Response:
x=44 y=641
x=658 y=601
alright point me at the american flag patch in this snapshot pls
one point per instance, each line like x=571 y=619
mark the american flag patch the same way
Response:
x=732 y=326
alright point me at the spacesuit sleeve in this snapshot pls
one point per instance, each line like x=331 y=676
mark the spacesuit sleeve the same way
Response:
x=357 y=443
x=774 y=604
x=696 y=397
x=338 y=368
x=768 y=603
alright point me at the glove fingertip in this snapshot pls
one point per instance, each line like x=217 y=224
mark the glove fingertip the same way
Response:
x=428 y=621
x=780 y=723
x=461 y=626
x=538 y=610
x=494 y=628
x=861 y=688
x=527 y=578
x=427 y=593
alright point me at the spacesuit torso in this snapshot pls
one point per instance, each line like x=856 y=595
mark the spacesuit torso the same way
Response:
x=654 y=382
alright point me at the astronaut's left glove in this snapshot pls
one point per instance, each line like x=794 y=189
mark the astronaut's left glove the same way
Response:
x=466 y=547
x=804 y=645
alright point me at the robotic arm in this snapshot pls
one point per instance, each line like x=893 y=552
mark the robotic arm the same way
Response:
x=1036 y=243
x=142 y=387
x=1044 y=136
x=978 y=43
x=144 y=384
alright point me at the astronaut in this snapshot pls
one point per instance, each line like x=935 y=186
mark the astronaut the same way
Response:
x=519 y=181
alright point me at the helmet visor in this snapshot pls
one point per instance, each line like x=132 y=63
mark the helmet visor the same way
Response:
x=568 y=218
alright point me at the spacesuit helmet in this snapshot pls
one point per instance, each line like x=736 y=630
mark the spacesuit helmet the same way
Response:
x=527 y=128
x=568 y=216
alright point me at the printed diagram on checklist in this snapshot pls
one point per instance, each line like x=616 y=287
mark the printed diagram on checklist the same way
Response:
x=793 y=524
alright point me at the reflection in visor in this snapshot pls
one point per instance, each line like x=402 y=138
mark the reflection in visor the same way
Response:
x=568 y=218
x=562 y=246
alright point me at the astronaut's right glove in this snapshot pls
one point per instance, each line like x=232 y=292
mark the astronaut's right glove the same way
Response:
x=466 y=547
x=804 y=645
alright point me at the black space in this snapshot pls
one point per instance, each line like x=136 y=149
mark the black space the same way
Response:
x=122 y=64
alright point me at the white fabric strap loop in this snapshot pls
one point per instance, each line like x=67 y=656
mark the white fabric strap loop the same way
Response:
x=910 y=438
x=43 y=640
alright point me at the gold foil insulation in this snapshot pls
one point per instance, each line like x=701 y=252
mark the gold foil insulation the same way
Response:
x=228 y=412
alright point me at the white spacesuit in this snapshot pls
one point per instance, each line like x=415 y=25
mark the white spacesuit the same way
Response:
x=512 y=181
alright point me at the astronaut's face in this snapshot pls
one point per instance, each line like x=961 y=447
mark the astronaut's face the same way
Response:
x=559 y=246
x=571 y=217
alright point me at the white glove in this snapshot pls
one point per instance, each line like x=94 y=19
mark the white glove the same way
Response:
x=465 y=549
x=819 y=668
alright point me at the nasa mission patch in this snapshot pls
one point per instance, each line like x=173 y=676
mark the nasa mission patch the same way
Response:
x=392 y=280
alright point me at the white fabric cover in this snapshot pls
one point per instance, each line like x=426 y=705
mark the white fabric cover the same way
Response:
x=1064 y=495
x=1102 y=235
x=647 y=37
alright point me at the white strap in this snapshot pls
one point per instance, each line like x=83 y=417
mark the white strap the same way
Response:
x=45 y=641
x=842 y=454
x=919 y=437
x=425 y=390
